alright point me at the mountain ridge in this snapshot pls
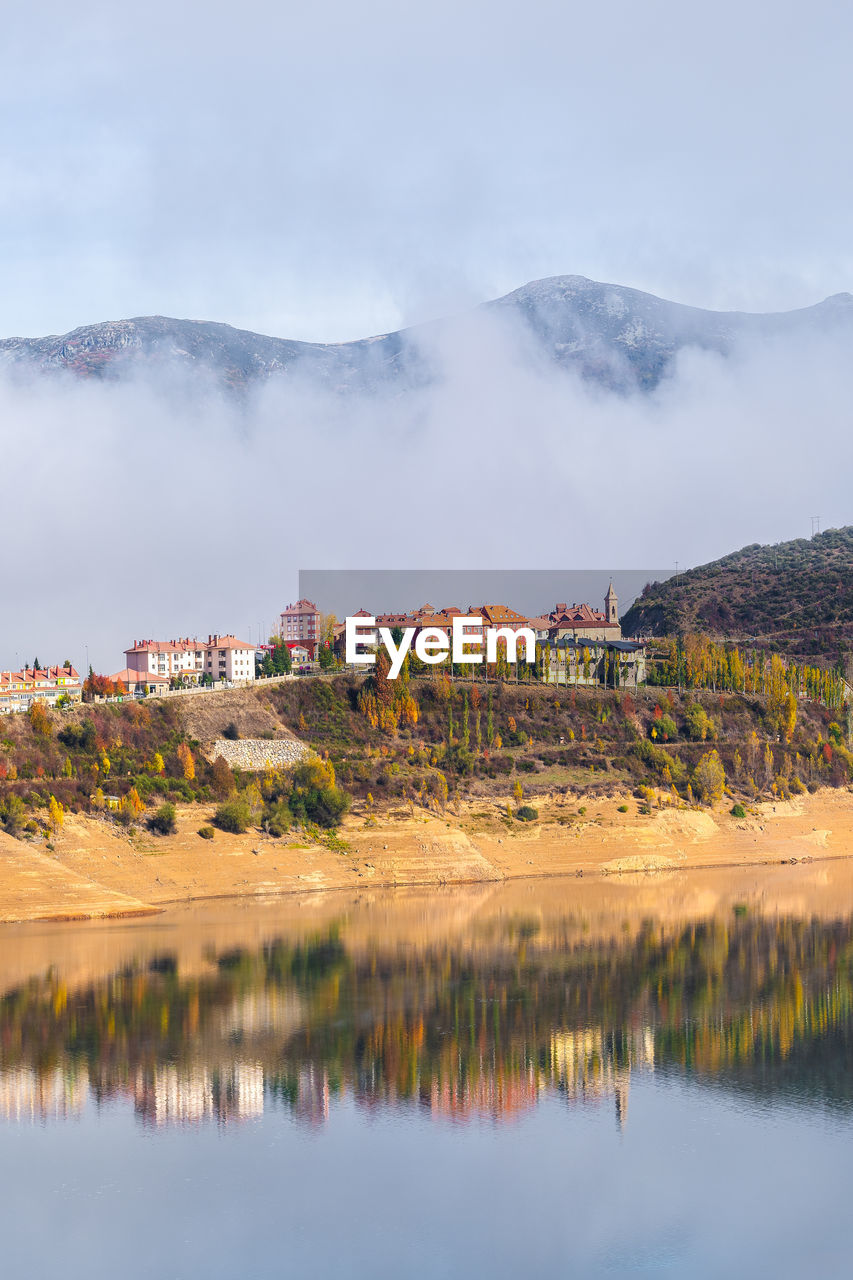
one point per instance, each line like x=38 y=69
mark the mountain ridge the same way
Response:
x=617 y=336
x=796 y=597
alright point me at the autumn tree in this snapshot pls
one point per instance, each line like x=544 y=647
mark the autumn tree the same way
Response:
x=222 y=779
x=55 y=814
x=187 y=762
x=710 y=778
x=39 y=720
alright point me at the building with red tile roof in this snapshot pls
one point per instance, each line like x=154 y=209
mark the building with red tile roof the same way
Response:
x=20 y=689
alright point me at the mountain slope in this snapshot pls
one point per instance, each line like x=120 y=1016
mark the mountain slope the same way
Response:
x=619 y=337
x=797 y=596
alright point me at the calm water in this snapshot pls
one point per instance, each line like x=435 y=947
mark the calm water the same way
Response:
x=644 y=1077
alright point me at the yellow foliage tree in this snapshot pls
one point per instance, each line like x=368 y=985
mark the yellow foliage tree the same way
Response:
x=56 y=815
x=187 y=762
x=132 y=803
x=710 y=777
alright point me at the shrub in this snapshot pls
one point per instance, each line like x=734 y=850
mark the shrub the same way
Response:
x=277 y=818
x=163 y=822
x=738 y=811
x=231 y=732
x=663 y=729
x=526 y=813
x=13 y=814
x=206 y=833
x=79 y=736
x=623 y=808
x=234 y=816
x=316 y=797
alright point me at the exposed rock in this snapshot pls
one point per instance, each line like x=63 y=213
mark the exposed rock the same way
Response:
x=256 y=754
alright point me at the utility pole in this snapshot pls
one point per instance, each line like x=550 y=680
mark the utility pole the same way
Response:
x=815 y=525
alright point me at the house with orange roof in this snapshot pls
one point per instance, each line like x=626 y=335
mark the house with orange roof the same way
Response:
x=20 y=689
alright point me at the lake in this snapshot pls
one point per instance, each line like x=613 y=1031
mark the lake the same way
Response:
x=641 y=1075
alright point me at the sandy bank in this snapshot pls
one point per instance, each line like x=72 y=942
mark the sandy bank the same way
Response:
x=96 y=870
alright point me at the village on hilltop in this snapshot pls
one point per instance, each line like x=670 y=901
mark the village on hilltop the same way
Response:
x=580 y=644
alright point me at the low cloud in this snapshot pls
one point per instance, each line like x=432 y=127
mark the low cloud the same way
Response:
x=158 y=508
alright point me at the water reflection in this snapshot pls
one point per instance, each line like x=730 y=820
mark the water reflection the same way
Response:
x=459 y=1007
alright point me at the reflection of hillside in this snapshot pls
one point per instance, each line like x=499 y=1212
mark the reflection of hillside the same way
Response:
x=744 y=1002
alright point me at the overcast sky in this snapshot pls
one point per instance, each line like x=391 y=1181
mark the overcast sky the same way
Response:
x=326 y=171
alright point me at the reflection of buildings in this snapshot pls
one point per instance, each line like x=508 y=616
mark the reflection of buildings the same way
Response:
x=497 y=1096
x=190 y=1095
x=589 y=1066
x=27 y=1095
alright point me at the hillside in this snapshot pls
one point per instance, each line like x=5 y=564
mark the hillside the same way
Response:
x=796 y=596
x=115 y=809
x=423 y=743
x=619 y=337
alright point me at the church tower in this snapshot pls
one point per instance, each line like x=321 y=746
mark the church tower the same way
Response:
x=611 y=605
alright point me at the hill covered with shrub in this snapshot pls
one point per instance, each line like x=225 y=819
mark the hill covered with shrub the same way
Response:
x=416 y=743
x=796 y=597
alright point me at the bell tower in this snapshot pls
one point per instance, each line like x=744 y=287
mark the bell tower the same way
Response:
x=611 y=605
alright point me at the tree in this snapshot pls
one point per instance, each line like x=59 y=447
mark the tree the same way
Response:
x=222 y=780
x=187 y=762
x=39 y=720
x=788 y=717
x=281 y=658
x=710 y=778
x=55 y=814
x=698 y=723
x=132 y=804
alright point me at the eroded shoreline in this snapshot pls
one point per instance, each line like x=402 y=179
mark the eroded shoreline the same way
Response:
x=96 y=870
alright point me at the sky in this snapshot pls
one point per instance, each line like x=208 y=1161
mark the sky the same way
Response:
x=327 y=172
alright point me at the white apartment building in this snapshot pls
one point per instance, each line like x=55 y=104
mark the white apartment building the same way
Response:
x=167 y=658
x=221 y=657
x=227 y=658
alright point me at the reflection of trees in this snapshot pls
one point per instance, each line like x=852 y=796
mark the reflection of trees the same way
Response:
x=748 y=1004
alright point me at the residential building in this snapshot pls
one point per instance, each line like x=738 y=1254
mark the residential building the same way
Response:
x=227 y=658
x=20 y=689
x=300 y=624
x=141 y=681
x=184 y=658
